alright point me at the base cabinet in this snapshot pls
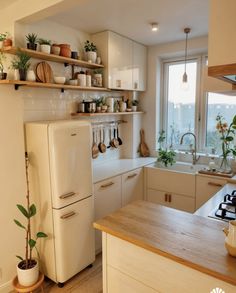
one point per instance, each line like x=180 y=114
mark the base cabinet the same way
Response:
x=206 y=187
x=111 y=194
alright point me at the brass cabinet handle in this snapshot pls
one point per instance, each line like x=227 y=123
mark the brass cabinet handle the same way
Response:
x=170 y=198
x=107 y=184
x=215 y=184
x=166 y=196
x=132 y=175
x=69 y=194
x=68 y=215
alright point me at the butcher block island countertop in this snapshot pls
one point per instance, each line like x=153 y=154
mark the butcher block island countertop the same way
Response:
x=187 y=239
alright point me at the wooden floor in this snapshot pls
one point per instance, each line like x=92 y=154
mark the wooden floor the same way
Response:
x=87 y=281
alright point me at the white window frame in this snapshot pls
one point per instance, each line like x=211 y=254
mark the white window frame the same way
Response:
x=200 y=102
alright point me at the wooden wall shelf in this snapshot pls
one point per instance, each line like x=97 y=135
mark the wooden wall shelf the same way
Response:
x=62 y=87
x=53 y=58
x=106 y=114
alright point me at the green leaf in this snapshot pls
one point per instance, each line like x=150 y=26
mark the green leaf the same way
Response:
x=234 y=126
x=234 y=120
x=32 y=210
x=21 y=258
x=19 y=224
x=41 y=235
x=229 y=138
x=23 y=211
x=32 y=243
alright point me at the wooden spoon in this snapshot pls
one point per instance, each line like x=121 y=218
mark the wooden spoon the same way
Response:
x=115 y=142
x=102 y=147
x=95 y=150
x=144 y=150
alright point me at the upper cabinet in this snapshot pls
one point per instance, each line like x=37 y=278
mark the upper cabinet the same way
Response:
x=124 y=61
x=222 y=43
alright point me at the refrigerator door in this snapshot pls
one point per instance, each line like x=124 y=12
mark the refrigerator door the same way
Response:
x=70 y=162
x=74 y=238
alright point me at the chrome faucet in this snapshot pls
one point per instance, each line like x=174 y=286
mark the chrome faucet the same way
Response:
x=194 y=150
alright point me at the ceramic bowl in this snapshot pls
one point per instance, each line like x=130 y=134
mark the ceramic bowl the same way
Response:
x=60 y=79
x=73 y=82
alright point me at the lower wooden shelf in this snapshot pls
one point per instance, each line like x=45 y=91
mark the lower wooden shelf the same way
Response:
x=106 y=113
x=62 y=87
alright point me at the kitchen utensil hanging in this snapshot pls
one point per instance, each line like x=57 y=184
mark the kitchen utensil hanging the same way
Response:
x=118 y=138
x=95 y=150
x=102 y=147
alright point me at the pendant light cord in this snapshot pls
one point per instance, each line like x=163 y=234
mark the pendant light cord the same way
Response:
x=186 y=48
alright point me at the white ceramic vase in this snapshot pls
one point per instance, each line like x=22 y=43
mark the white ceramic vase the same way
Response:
x=30 y=75
x=134 y=108
x=16 y=74
x=45 y=48
x=28 y=277
x=91 y=56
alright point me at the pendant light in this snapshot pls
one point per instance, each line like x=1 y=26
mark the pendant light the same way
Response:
x=185 y=76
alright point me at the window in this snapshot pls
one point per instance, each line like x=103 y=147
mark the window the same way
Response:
x=188 y=109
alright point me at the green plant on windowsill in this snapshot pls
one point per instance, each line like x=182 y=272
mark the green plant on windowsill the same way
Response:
x=165 y=156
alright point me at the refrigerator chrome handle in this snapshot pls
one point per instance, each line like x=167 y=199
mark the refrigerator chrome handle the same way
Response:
x=68 y=215
x=63 y=196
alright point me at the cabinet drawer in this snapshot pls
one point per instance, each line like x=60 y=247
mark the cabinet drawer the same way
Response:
x=180 y=183
x=171 y=200
x=132 y=186
x=206 y=187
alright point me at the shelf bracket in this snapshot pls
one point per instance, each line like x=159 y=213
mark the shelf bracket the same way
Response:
x=16 y=86
x=62 y=90
x=66 y=64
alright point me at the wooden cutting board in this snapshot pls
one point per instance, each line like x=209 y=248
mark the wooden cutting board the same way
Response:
x=143 y=148
x=44 y=72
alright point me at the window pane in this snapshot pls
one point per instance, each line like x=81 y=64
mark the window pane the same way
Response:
x=181 y=102
x=218 y=104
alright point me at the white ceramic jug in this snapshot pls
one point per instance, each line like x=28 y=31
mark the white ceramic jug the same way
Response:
x=230 y=240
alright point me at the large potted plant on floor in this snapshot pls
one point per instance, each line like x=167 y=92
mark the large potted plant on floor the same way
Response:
x=28 y=268
x=21 y=62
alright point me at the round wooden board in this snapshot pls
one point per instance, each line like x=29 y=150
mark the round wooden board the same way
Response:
x=44 y=72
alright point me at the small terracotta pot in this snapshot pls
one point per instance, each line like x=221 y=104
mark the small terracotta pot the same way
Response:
x=7 y=43
x=55 y=49
x=65 y=50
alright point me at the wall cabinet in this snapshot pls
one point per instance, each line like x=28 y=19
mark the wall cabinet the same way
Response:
x=111 y=194
x=206 y=187
x=172 y=189
x=124 y=61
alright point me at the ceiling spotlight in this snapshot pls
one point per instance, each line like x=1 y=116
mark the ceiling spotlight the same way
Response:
x=154 y=26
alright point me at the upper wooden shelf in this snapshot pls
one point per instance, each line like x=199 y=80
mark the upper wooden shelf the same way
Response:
x=62 y=87
x=53 y=58
x=106 y=113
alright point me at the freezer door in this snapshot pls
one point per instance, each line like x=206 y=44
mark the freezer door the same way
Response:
x=70 y=162
x=74 y=238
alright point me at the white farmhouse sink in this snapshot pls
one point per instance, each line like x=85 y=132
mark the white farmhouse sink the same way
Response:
x=182 y=167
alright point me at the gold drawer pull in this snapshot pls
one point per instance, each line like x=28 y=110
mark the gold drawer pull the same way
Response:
x=132 y=175
x=107 y=184
x=69 y=215
x=63 y=196
x=215 y=184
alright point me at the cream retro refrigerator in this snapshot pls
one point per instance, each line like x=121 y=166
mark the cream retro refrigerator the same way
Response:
x=61 y=186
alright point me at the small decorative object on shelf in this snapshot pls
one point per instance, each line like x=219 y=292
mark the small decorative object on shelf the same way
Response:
x=3 y=75
x=32 y=41
x=135 y=105
x=55 y=49
x=227 y=134
x=30 y=76
x=7 y=42
x=97 y=77
x=65 y=50
x=164 y=156
x=2 y=38
x=90 y=51
x=45 y=45
x=21 y=62
x=28 y=268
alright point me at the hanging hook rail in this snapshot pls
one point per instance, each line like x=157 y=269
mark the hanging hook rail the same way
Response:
x=108 y=122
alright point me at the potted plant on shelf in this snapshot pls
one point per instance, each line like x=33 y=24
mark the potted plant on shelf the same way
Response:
x=90 y=51
x=3 y=75
x=2 y=38
x=45 y=45
x=21 y=63
x=165 y=156
x=135 y=105
x=98 y=105
x=31 y=41
x=28 y=267
x=7 y=42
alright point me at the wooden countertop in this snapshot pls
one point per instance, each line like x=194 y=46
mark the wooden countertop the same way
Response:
x=188 y=239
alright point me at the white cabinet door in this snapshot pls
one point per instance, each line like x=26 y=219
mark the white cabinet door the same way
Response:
x=139 y=66
x=120 y=62
x=206 y=187
x=132 y=186
x=171 y=200
x=107 y=196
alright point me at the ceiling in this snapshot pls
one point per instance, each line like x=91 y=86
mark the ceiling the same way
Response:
x=5 y=3
x=132 y=18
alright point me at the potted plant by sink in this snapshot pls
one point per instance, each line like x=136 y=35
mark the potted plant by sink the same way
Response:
x=45 y=45
x=90 y=51
x=21 y=63
x=165 y=156
x=28 y=267
x=3 y=75
x=31 y=41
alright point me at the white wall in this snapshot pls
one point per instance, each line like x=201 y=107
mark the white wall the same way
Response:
x=150 y=100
